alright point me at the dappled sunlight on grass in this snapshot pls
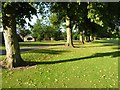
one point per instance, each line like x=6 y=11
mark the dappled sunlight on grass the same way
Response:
x=92 y=65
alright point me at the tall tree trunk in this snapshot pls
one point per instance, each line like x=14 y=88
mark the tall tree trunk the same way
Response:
x=13 y=57
x=80 y=37
x=94 y=38
x=69 y=32
x=83 y=37
x=91 y=38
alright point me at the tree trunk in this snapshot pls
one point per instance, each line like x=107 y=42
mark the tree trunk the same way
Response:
x=94 y=38
x=69 y=32
x=89 y=38
x=80 y=37
x=83 y=37
x=13 y=57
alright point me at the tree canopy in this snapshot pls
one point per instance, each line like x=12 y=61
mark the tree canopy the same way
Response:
x=91 y=18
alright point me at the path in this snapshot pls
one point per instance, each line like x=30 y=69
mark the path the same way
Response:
x=3 y=52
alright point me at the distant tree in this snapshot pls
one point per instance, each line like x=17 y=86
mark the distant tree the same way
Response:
x=45 y=32
x=55 y=24
x=38 y=30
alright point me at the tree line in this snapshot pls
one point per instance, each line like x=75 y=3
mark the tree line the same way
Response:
x=89 y=19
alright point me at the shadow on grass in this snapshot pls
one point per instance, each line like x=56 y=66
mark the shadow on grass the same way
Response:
x=90 y=46
x=104 y=43
x=117 y=48
x=3 y=52
x=36 y=44
x=108 y=42
x=47 y=51
x=112 y=54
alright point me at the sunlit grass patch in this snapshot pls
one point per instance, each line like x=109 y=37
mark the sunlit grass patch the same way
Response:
x=92 y=65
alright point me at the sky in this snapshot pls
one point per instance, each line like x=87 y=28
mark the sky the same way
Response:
x=32 y=22
x=34 y=19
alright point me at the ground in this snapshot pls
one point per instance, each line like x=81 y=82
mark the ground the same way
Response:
x=93 y=65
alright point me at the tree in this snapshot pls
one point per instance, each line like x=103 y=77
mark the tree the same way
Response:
x=82 y=21
x=53 y=18
x=65 y=13
x=14 y=13
x=47 y=32
x=105 y=15
x=56 y=26
x=38 y=30
x=88 y=17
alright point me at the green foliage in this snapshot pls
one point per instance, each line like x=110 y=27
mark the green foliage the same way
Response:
x=82 y=14
x=24 y=32
x=21 y=10
x=66 y=8
x=54 y=20
x=44 y=32
x=104 y=15
x=95 y=12
x=37 y=30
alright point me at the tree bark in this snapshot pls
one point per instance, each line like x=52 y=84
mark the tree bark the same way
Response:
x=89 y=38
x=83 y=37
x=80 y=37
x=94 y=38
x=69 y=32
x=13 y=57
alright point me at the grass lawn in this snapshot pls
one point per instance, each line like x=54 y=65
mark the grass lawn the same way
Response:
x=93 y=65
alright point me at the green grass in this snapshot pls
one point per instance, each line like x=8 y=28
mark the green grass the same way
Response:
x=93 y=65
x=2 y=47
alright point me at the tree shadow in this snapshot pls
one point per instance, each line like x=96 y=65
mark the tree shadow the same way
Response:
x=35 y=44
x=103 y=42
x=48 y=51
x=90 y=46
x=32 y=63
x=3 y=52
x=117 y=48
x=108 y=42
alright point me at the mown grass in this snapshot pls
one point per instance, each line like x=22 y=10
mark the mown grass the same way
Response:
x=93 y=65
